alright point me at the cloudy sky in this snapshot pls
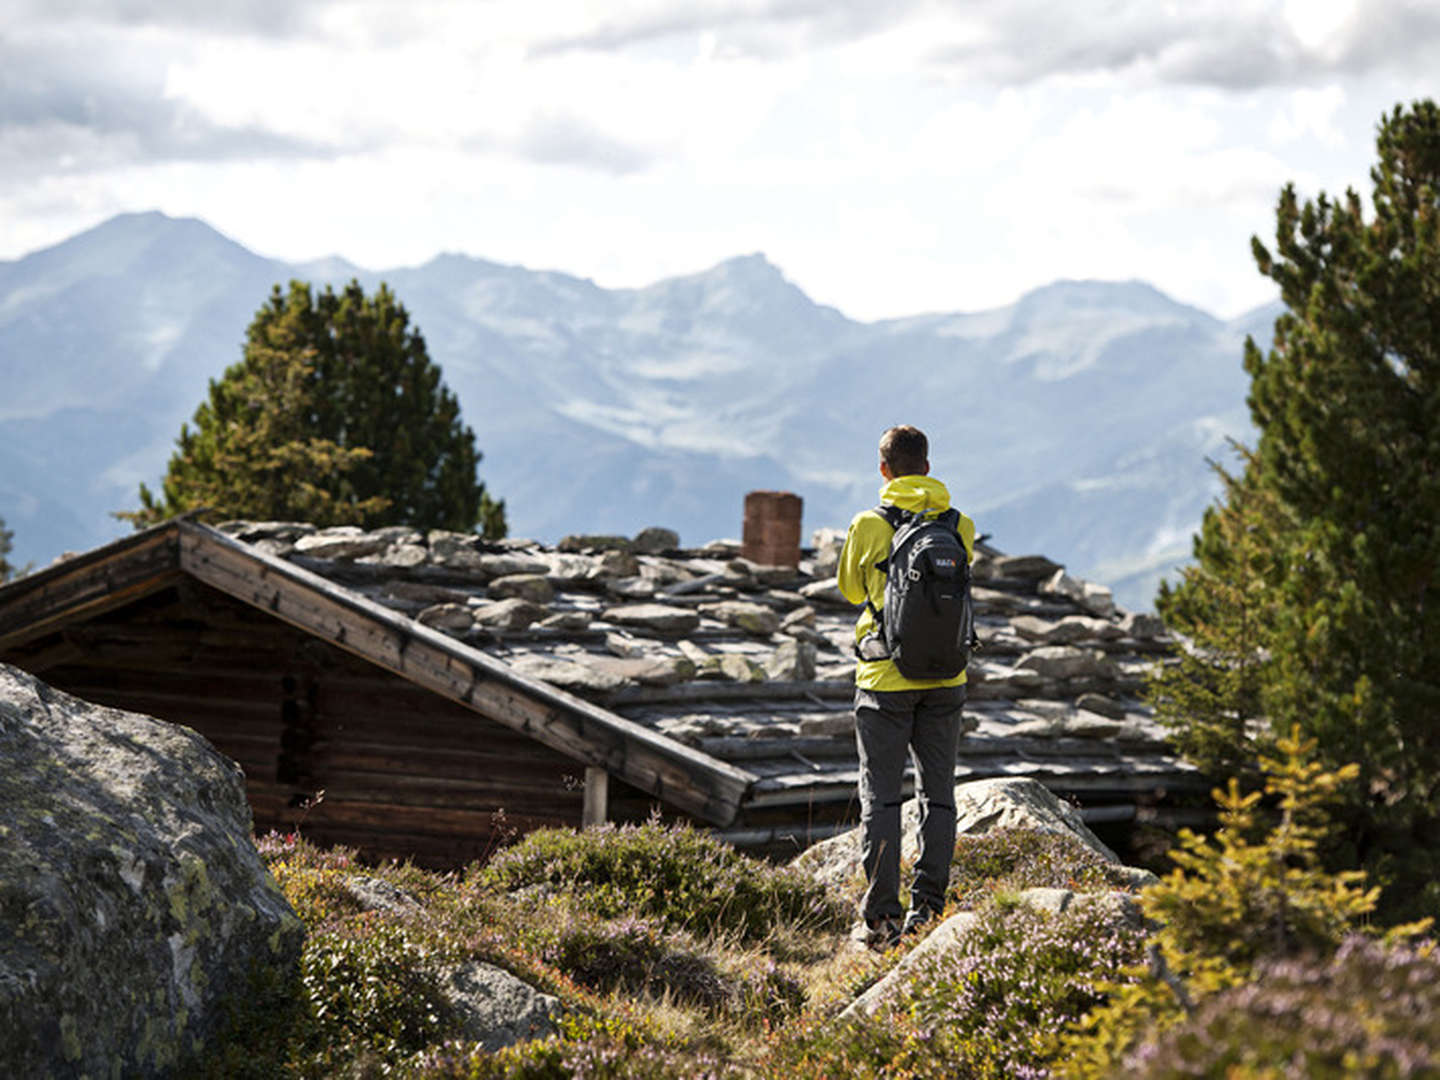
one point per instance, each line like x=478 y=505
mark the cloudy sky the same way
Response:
x=891 y=156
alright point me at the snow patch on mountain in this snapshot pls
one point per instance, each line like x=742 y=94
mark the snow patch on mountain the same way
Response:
x=1075 y=422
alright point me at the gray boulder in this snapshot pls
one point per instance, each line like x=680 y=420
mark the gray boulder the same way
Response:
x=566 y=621
x=133 y=904
x=740 y=668
x=451 y=618
x=825 y=592
x=655 y=540
x=376 y=894
x=655 y=617
x=646 y=670
x=496 y=1009
x=945 y=938
x=792 y=660
x=980 y=807
x=402 y=556
x=569 y=675
x=506 y=564
x=1115 y=907
x=512 y=614
x=252 y=532
x=744 y=615
x=533 y=587
x=1141 y=625
x=1025 y=567
x=340 y=542
x=1068 y=662
x=594 y=543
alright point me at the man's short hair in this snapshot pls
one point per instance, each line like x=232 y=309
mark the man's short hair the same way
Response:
x=905 y=449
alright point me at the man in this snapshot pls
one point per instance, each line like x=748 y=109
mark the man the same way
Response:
x=895 y=716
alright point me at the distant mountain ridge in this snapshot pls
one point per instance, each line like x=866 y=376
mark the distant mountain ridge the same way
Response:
x=1075 y=421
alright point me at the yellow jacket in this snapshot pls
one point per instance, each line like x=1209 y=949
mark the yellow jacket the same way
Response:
x=868 y=543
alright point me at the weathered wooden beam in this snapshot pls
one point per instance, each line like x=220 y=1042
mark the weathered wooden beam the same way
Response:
x=691 y=780
x=597 y=797
x=88 y=585
x=713 y=691
x=800 y=790
x=801 y=835
x=37 y=661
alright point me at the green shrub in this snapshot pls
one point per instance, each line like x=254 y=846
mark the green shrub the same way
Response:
x=1235 y=901
x=631 y=954
x=855 y=1048
x=1371 y=1011
x=770 y=995
x=994 y=1003
x=318 y=895
x=588 y=1048
x=684 y=877
x=989 y=1008
x=1010 y=860
x=294 y=849
x=370 y=990
x=257 y=1029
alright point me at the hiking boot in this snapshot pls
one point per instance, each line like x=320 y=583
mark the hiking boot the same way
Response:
x=917 y=919
x=879 y=934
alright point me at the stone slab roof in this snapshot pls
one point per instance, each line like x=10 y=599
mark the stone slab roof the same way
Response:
x=752 y=665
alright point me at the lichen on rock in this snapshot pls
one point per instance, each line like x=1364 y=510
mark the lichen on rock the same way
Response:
x=133 y=904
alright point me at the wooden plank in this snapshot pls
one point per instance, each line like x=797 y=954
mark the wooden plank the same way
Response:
x=710 y=691
x=597 y=797
x=800 y=835
x=538 y=784
x=450 y=668
x=342 y=754
x=88 y=585
x=418 y=820
x=40 y=660
x=803 y=790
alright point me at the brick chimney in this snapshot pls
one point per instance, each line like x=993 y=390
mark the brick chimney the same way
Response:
x=771 y=535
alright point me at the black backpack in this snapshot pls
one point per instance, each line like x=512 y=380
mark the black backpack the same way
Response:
x=927 y=625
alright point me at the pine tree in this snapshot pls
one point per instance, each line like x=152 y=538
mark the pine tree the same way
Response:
x=1257 y=891
x=1210 y=696
x=6 y=537
x=335 y=415
x=1343 y=489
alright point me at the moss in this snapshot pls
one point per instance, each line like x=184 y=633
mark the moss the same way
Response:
x=70 y=1038
x=192 y=892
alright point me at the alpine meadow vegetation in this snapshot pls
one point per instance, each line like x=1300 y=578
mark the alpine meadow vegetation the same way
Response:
x=1313 y=597
x=334 y=415
x=1235 y=905
x=674 y=957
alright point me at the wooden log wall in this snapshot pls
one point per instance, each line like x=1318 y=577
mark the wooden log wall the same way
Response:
x=404 y=772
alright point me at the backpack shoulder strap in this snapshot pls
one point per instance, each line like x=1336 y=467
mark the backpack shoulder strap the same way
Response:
x=893 y=515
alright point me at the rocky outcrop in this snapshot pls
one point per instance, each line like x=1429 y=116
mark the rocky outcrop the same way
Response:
x=1118 y=907
x=496 y=1009
x=133 y=904
x=980 y=806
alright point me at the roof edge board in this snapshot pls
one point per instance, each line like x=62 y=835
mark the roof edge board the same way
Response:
x=90 y=584
x=581 y=729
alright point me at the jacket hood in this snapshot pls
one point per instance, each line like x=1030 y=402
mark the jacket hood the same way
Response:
x=916 y=493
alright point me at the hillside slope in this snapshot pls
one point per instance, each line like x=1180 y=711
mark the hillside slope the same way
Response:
x=1074 y=422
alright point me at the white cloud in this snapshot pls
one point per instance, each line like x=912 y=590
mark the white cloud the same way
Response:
x=1310 y=113
x=891 y=158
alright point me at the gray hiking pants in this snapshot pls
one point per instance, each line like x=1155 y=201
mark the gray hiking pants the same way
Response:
x=889 y=726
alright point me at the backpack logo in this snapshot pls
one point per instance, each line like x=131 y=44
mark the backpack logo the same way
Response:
x=927 y=624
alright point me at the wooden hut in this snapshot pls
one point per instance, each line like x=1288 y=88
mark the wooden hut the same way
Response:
x=427 y=696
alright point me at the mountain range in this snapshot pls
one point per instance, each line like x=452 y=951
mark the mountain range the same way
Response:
x=1076 y=422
